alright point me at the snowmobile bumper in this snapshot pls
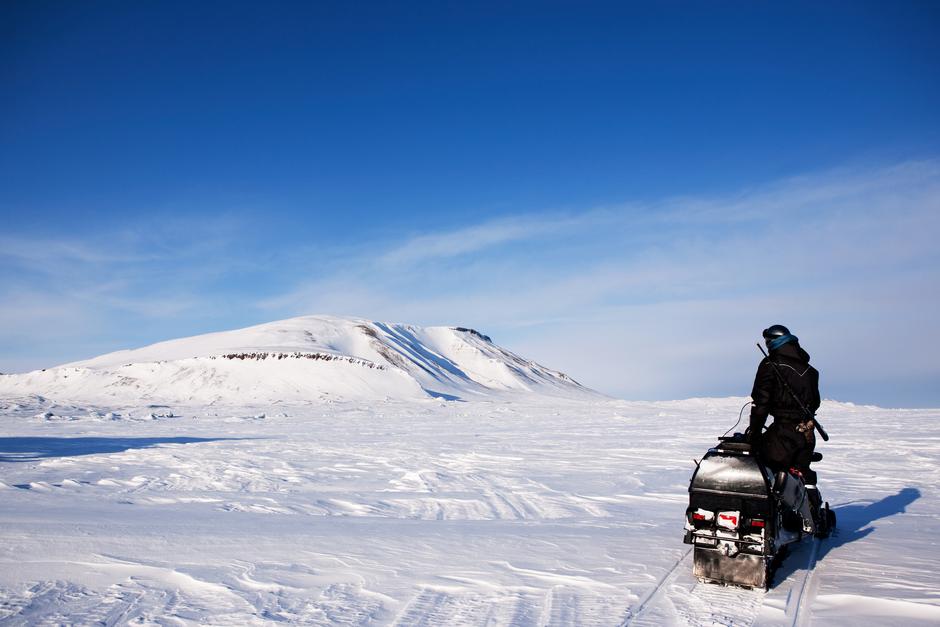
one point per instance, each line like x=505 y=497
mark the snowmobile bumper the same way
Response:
x=743 y=569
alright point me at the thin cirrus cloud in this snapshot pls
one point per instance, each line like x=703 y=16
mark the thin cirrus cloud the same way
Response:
x=801 y=230
x=66 y=297
x=480 y=237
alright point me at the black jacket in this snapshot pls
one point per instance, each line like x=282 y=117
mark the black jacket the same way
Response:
x=769 y=395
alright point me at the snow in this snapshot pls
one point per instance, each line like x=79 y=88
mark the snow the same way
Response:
x=507 y=507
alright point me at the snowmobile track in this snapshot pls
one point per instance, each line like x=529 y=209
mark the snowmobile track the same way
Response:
x=787 y=602
x=699 y=603
x=802 y=596
x=670 y=574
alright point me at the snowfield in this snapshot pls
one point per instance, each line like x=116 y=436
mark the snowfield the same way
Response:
x=510 y=507
x=506 y=512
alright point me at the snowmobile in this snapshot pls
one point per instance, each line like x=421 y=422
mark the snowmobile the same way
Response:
x=742 y=516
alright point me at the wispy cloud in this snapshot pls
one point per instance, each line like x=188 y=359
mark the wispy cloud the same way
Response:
x=800 y=229
x=67 y=297
x=479 y=237
x=49 y=254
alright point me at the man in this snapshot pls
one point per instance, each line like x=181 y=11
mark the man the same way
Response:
x=789 y=441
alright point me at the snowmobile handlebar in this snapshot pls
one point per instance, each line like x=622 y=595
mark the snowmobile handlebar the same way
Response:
x=786 y=386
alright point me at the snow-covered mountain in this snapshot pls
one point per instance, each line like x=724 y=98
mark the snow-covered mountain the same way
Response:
x=301 y=359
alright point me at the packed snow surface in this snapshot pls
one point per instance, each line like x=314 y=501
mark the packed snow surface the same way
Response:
x=301 y=359
x=529 y=511
x=336 y=471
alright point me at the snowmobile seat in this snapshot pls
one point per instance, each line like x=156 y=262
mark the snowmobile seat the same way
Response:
x=740 y=447
x=736 y=443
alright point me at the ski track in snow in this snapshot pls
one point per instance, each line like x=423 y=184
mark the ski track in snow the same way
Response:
x=504 y=512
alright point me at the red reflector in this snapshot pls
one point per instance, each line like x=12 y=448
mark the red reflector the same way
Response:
x=697 y=517
x=757 y=523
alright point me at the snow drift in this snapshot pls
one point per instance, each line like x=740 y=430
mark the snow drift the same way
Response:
x=301 y=359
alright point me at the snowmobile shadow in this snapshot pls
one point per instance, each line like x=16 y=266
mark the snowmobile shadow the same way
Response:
x=854 y=520
x=853 y=523
x=27 y=449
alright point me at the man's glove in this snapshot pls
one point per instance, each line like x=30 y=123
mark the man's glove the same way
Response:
x=754 y=438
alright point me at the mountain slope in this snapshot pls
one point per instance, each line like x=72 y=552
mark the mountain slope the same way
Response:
x=300 y=359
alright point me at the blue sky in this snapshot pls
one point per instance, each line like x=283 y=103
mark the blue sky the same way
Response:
x=626 y=193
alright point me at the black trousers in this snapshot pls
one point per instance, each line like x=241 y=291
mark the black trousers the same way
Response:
x=784 y=447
